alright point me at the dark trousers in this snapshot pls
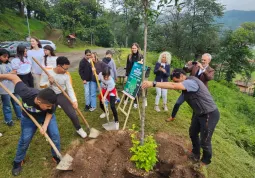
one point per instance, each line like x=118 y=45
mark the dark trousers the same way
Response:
x=27 y=79
x=177 y=105
x=113 y=108
x=68 y=109
x=205 y=125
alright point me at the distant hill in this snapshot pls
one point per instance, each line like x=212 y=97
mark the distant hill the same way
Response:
x=234 y=18
x=13 y=27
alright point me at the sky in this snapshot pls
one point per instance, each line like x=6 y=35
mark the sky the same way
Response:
x=229 y=4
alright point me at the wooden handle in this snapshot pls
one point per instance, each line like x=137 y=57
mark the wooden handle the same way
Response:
x=99 y=87
x=33 y=119
x=63 y=91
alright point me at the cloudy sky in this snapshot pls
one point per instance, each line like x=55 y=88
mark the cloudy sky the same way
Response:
x=230 y=4
x=238 y=4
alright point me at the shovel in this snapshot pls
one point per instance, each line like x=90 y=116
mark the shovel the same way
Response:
x=108 y=125
x=65 y=161
x=93 y=133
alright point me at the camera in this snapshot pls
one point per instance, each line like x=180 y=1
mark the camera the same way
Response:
x=194 y=62
x=162 y=66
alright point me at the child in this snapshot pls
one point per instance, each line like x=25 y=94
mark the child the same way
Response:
x=85 y=72
x=5 y=68
x=23 y=66
x=109 y=93
x=110 y=62
x=59 y=74
x=41 y=105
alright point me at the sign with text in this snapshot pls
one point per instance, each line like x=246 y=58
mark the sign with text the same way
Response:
x=134 y=80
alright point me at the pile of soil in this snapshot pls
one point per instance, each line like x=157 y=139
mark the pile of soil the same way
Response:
x=108 y=156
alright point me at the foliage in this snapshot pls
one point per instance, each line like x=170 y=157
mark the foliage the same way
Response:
x=144 y=156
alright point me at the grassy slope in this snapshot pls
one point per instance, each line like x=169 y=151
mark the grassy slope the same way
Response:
x=17 y=27
x=229 y=160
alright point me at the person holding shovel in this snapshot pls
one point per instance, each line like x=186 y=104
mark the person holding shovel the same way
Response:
x=41 y=105
x=59 y=74
x=205 y=112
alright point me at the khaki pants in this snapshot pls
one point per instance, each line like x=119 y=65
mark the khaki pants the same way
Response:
x=37 y=78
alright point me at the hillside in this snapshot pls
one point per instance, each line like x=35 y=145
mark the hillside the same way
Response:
x=234 y=18
x=13 y=27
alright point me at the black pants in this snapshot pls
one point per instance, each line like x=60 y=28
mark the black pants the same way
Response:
x=205 y=125
x=113 y=108
x=177 y=105
x=27 y=79
x=68 y=109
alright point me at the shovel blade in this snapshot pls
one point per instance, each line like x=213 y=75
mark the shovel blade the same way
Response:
x=109 y=126
x=66 y=163
x=93 y=133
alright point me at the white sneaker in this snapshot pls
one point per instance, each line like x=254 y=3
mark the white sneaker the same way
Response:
x=157 y=108
x=82 y=133
x=146 y=103
x=103 y=115
x=59 y=106
x=165 y=107
x=92 y=109
x=135 y=106
x=117 y=125
x=1 y=134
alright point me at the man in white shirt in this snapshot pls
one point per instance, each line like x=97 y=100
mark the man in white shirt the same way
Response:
x=59 y=75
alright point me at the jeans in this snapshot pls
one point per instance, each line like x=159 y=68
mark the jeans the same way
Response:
x=204 y=125
x=93 y=94
x=28 y=129
x=87 y=93
x=177 y=105
x=6 y=106
x=160 y=92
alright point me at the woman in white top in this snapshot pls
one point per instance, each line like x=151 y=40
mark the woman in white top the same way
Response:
x=38 y=53
x=50 y=58
x=22 y=65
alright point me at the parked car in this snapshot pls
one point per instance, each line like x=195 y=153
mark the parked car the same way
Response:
x=11 y=46
x=48 y=42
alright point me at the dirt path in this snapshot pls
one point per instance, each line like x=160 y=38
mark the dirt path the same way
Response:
x=75 y=57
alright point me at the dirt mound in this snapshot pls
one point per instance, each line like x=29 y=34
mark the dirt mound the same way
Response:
x=108 y=157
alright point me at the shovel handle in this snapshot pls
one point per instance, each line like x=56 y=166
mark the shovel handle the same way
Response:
x=65 y=94
x=99 y=87
x=33 y=119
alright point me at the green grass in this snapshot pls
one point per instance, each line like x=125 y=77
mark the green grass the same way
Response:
x=13 y=27
x=236 y=127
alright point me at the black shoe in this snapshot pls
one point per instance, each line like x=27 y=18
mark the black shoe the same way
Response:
x=193 y=157
x=17 y=167
x=55 y=159
x=87 y=107
x=10 y=124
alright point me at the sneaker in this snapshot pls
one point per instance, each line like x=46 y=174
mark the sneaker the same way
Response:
x=135 y=106
x=117 y=125
x=165 y=107
x=82 y=133
x=1 y=134
x=92 y=109
x=87 y=107
x=59 y=106
x=10 y=124
x=194 y=158
x=170 y=119
x=17 y=168
x=103 y=115
x=157 y=108
x=55 y=159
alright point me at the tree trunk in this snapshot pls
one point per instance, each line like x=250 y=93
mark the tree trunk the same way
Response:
x=146 y=3
x=29 y=12
x=21 y=9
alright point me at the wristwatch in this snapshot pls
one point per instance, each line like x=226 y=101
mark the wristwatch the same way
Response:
x=154 y=83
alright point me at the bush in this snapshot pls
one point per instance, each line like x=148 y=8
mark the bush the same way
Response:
x=144 y=156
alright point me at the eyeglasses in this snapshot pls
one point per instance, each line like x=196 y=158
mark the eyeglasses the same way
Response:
x=64 y=68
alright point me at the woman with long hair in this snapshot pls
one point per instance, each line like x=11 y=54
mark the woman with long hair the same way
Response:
x=162 y=72
x=36 y=52
x=50 y=58
x=22 y=65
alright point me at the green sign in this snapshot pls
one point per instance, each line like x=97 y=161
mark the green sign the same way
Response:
x=134 y=80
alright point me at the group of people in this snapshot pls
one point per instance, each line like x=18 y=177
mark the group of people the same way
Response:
x=40 y=96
